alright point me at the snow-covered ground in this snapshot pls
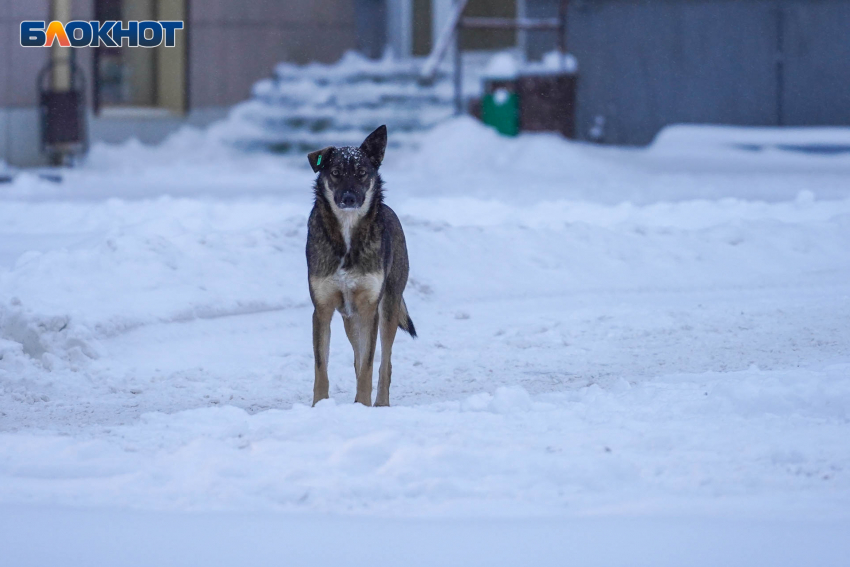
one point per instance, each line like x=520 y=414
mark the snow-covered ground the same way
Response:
x=615 y=345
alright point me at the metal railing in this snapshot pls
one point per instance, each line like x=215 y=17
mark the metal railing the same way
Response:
x=457 y=22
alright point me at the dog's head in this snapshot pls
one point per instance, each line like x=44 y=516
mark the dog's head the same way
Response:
x=348 y=176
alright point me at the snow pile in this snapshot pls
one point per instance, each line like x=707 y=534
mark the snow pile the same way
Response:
x=166 y=261
x=463 y=158
x=502 y=66
x=708 y=138
x=178 y=260
x=647 y=447
x=53 y=341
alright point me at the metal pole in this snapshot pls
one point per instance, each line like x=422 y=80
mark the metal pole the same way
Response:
x=444 y=41
x=522 y=35
x=60 y=10
x=458 y=74
x=512 y=23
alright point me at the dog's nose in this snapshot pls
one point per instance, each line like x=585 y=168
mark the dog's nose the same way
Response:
x=348 y=199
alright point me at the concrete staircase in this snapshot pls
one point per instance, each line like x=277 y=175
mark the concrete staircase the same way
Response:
x=302 y=108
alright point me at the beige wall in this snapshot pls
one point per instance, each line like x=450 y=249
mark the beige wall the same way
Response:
x=171 y=63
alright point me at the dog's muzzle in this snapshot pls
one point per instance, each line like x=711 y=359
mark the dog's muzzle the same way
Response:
x=348 y=201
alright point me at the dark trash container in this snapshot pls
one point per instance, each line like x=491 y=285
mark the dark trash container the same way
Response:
x=537 y=102
x=547 y=103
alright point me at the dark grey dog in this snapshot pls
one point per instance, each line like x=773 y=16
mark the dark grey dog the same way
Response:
x=356 y=264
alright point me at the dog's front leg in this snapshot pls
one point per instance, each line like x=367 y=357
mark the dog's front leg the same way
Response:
x=388 y=325
x=367 y=337
x=321 y=351
x=351 y=332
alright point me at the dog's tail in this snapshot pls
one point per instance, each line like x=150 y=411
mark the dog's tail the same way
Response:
x=405 y=323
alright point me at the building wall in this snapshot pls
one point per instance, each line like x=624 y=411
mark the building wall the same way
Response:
x=370 y=20
x=18 y=72
x=232 y=44
x=644 y=64
x=19 y=66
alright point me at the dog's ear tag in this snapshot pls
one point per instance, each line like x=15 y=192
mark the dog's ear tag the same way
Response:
x=319 y=160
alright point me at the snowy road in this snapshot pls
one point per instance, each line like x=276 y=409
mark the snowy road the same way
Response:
x=142 y=539
x=659 y=333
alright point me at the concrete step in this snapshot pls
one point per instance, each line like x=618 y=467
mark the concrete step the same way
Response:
x=304 y=107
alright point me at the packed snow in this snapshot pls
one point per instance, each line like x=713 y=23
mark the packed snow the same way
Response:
x=609 y=338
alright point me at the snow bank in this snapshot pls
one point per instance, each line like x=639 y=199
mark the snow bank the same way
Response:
x=177 y=260
x=462 y=157
x=589 y=451
x=705 y=137
x=166 y=261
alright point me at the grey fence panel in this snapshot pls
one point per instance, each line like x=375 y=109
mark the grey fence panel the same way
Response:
x=816 y=63
x=644 y=64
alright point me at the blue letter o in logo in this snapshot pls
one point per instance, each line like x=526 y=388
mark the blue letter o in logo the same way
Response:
x=156 y=37
x=71 y=29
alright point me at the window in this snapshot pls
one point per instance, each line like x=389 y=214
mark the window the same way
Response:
x=136 y=77
x=472 y=39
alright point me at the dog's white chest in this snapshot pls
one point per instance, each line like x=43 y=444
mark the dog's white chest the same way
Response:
x=347 y=283
x=350 y=289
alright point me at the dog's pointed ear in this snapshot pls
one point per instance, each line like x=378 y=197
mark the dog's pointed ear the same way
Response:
x=319 y=158
x=375 y=145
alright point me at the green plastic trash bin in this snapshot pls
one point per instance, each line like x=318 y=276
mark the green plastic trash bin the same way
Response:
x=500 y=109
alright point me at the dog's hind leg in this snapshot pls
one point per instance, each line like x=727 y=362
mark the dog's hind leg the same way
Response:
x=389 y=317
x=321 y=351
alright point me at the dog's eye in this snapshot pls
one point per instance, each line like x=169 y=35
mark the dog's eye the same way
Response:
x=335 y=173
x=362 y=173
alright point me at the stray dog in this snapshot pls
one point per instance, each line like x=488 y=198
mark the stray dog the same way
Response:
x=356 y=264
